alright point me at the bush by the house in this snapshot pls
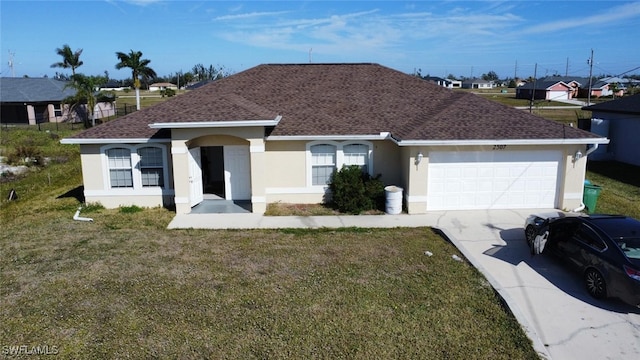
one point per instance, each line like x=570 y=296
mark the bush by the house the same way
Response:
x=354 y=191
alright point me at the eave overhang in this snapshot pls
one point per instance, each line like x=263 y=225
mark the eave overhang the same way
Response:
x=581 y=141
x=381 y=136
x=216 y=124
x=76 y=141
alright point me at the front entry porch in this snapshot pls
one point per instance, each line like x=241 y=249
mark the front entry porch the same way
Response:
x=213 y=204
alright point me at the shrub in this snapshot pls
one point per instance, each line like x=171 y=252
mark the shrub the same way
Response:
x=167 y=92
x=25 y=154
x=354 y=191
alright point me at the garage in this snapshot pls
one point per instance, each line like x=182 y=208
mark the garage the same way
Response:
x=558 y=95
x=500 y=179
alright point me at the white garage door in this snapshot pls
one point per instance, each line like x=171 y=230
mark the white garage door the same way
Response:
x=492 y=180
x=558 y=95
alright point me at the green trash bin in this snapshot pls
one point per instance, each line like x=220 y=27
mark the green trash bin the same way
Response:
x=590 y=197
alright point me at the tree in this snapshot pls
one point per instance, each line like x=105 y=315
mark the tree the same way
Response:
x=86 y=94
x=139 y=67
x=490 y=76
x=70 y=59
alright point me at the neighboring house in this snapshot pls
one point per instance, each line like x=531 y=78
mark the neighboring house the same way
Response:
x=477 y=84
x=162 y=86
x=36 y=100
x=33 y=100
x=544 y=90
x=600 y=88
x=276 y=133
x=618 y=120
x=439 y=81
x=455 y=84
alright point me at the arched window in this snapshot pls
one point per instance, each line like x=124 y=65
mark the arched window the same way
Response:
x=120 y=170
x=356 y=154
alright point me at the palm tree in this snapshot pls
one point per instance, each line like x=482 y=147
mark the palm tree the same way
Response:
x=70 y=59
x=85 y=87
x=139 y=67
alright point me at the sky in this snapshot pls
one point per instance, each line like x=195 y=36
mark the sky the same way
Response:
x=464 y=38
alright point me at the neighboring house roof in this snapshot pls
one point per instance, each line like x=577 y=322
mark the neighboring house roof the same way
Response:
x=437 y=79
x=476 y=81
x=28 y=90
x=624 y=105
x=338 y=100
x=542 y=84
x=114 y=84
x=165 y=84
x=198 y=84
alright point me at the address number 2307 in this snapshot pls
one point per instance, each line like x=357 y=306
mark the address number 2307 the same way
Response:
x=499 y=147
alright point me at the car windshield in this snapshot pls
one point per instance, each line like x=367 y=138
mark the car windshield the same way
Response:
x=630 y=247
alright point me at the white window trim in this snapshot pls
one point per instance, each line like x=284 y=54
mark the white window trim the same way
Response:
x=339 y=157
x=135 y=169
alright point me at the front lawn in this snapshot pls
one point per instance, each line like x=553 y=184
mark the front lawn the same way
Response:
x=124 y=286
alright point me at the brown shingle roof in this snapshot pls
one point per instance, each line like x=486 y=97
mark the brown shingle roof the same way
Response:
x=341 y=99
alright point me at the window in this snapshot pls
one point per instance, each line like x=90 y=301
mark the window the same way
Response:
x=134 y=167
x=356 y=154
x=323 y=163
x=151 y=169
x=590 y=238
x=57 y=110
x=327 y=156
x=120 y=171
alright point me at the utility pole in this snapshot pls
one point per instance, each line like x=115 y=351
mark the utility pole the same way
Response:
x=515 y=71
x=590 y=61
x=533 y=91
x=13 y=72
x=566 y=71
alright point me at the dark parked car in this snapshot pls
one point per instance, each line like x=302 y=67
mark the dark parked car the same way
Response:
x=604 y=248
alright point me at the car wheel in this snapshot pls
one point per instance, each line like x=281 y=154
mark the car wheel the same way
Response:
x=530 y=234
x=595 y=284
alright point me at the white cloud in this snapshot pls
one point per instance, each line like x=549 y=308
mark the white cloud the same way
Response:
x=249 y=15
x=608 y=18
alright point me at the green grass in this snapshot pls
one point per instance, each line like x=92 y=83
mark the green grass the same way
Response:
x=620 y=187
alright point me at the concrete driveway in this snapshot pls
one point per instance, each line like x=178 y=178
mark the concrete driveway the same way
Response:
x=548 y=299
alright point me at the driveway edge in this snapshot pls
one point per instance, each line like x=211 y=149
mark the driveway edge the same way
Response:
x=538 y=346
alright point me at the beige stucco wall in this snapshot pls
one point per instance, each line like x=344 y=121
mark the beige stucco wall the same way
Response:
x=279 y=170
x=287 y=170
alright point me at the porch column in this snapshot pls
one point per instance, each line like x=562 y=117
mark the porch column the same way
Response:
x=180 y=155
x=416 y=191
x=258 y=173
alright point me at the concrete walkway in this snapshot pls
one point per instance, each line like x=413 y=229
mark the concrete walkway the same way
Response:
x=558 y=315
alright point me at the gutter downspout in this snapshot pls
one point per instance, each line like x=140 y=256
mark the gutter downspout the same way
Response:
x=79 y=218
x=589 y=151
